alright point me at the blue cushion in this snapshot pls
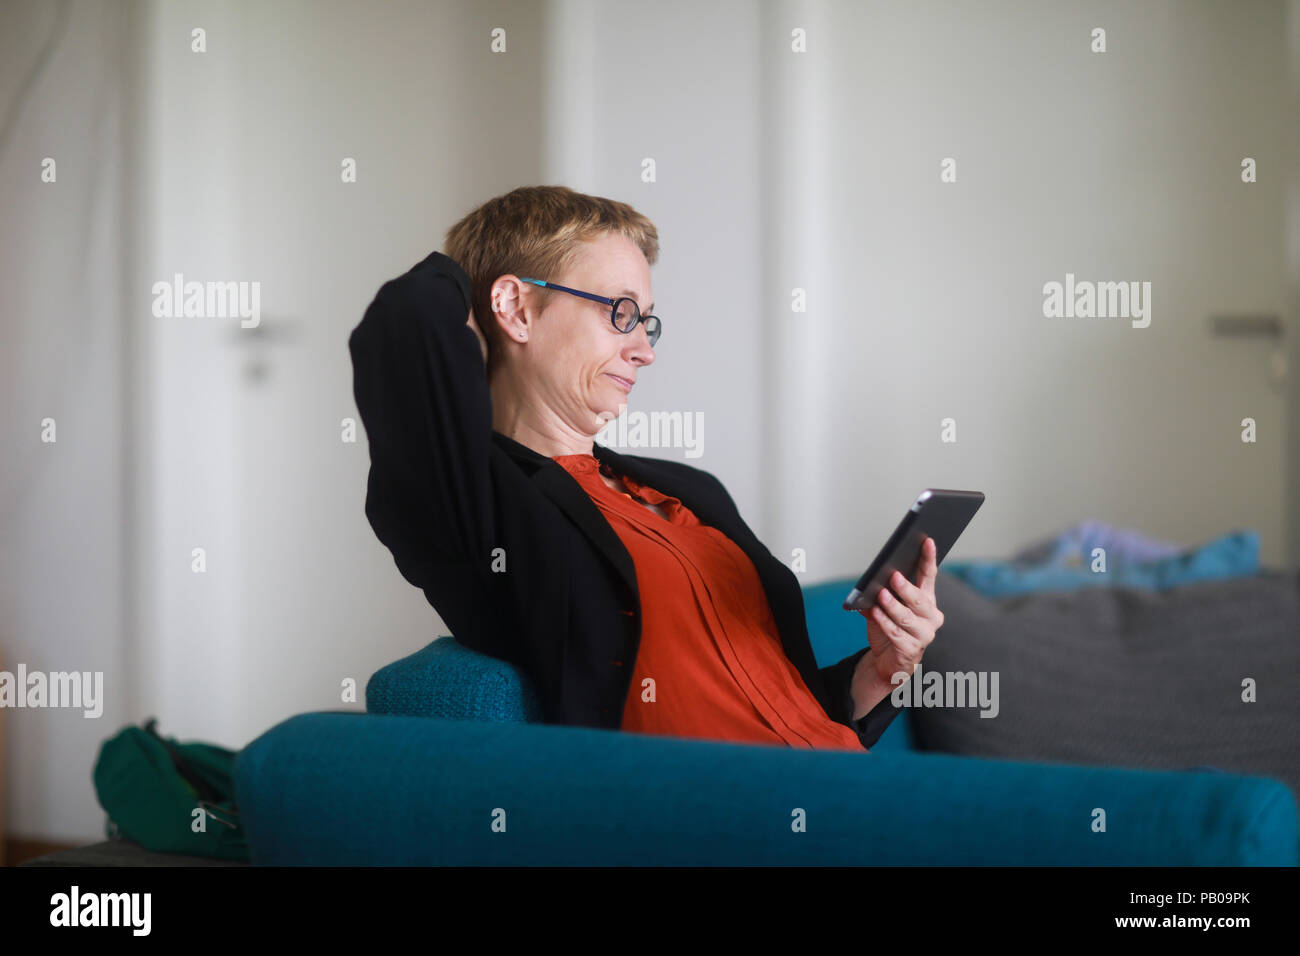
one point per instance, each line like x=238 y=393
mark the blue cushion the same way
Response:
x=1232 y=555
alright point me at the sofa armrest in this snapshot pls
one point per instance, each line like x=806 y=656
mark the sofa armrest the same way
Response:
x=448 y=680
x=346 y=789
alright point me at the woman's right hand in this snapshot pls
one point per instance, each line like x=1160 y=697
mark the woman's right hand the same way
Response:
x=900 y=626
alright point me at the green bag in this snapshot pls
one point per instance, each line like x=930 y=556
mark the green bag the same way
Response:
x=170 y=797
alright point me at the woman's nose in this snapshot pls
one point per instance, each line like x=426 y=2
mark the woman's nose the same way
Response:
x=641 y=344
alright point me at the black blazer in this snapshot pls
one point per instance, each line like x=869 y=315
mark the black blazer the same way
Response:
x=506 y=545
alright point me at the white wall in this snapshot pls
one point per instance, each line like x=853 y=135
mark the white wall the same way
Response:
x=774 y=171
x=243 y=147
x=1114 y=166
x=64 y=568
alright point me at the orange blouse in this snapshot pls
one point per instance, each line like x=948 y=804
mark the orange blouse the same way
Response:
x=709 y=642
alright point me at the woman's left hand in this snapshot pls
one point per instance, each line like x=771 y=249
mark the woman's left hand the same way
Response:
x=899 y=631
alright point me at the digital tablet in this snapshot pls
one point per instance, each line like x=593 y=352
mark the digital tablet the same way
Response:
x=938 y=513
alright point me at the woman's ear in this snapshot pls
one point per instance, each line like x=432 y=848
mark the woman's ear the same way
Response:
x=508 y=309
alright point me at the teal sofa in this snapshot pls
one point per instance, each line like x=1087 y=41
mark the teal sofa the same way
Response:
x=450 y=767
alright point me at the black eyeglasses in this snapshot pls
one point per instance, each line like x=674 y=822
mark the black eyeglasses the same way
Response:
x=624 y=312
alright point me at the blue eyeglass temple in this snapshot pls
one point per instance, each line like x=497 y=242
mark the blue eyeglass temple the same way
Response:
x=604 y=300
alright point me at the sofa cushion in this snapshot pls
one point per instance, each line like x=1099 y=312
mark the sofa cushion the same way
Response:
x=1125 y=676
x=349 y=789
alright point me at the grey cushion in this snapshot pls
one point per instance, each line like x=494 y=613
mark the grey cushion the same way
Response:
x=1126 y=677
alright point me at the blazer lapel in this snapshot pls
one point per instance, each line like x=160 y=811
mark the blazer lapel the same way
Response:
x=558 y=485
x=706 y=506
x=784 y=595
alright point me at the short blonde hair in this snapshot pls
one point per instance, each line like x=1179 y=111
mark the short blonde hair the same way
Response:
x=534 y=232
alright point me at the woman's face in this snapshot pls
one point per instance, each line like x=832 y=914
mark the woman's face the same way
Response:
x=568 y=357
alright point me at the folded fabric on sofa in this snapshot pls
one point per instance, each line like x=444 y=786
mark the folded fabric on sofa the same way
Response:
x=1072 y=548
x=1067 y=562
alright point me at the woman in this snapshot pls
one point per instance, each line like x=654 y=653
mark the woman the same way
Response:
x=628 y=588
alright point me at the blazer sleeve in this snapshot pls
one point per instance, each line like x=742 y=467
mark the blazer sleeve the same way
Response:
x=421 y=389
x=838 y=680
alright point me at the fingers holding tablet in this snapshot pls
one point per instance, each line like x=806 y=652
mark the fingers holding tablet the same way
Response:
x=917 y=547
